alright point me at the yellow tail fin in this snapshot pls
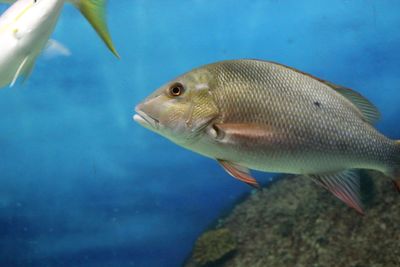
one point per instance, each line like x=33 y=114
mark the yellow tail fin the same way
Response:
x=94 y=12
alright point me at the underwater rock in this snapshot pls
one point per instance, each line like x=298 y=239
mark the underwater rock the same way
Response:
x=293 y=222
x=213 y=246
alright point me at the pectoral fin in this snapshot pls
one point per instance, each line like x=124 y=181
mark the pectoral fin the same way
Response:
x=243 y=132
x=24 y=68
x=28 y=70
x=239 y=172
x=344 y=185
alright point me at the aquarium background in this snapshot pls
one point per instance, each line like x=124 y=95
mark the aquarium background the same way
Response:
x=81 y=184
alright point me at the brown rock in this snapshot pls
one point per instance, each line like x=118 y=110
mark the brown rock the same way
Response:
x=293 y=222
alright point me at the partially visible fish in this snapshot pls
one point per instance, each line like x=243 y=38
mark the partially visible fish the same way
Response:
x=54 y=49
x=25 y=29
x=250 y=114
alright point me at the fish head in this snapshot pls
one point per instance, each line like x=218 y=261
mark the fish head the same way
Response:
x=180 y=110
x=31 y=18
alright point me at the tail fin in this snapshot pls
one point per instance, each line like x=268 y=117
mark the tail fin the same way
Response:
x=94 y=12
x=396 y=169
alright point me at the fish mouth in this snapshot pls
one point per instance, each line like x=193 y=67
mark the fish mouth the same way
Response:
x=144 y=119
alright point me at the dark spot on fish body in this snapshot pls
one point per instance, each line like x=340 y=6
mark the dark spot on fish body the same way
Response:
x=317 y=104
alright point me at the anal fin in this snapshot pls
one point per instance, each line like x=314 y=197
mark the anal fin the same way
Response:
x=239 y=172
x=344 y=185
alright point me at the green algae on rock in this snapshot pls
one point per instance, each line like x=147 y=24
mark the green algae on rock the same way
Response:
x=293 y=222
x=213 y=246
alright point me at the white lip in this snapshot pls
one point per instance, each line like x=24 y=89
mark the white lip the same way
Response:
x=144 y=119
x=139 y=119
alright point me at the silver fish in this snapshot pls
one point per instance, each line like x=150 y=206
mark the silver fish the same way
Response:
x=25 y=29
x=260 y=115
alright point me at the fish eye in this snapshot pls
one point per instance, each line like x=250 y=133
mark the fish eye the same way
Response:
x=176 y=89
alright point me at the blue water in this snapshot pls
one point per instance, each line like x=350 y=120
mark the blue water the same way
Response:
x=81 y=184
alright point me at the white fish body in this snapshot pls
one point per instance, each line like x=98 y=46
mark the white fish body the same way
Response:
x=25 y=29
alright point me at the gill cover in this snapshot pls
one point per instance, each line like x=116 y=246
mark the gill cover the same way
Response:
x=202 y=110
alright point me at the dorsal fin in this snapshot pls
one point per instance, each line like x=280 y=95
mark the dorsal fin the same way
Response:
x=370 y=113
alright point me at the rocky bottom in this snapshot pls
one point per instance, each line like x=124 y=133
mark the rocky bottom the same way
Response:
x=293 y=222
